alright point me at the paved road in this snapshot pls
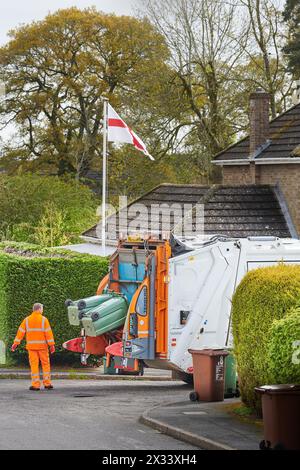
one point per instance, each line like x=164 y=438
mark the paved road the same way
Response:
x=85 y=415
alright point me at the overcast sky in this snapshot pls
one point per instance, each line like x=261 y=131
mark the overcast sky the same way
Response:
x=15 y=12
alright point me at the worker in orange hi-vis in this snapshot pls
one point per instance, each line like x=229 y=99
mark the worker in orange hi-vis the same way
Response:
x=38 y=337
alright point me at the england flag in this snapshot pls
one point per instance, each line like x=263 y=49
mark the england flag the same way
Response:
x=118 y=131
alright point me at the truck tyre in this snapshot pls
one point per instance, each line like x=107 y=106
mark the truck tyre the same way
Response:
x=194 y=396
x=265 y=445
x=187 y=378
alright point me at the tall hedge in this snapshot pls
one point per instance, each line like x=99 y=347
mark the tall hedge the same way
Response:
x=30 y=274
x=264 y=295
x=284 y=348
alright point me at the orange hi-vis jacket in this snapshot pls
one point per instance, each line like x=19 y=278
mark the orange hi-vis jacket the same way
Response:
x=38 y=332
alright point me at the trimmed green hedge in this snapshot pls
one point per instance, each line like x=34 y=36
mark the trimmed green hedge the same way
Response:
x=264 y=295
x=284 y=348
x=30 y=274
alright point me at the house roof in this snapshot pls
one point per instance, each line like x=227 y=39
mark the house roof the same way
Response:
x=284 y=141
x=235 y=211
x=163 y=194
x=243 y=211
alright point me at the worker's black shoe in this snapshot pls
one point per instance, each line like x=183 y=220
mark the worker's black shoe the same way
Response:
x=48 y=387
x=34 y=389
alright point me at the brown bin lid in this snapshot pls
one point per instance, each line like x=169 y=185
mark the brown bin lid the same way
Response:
x=280 y=388
x=209 y=352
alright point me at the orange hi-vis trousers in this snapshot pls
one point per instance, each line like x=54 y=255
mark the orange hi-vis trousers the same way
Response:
x=35 y=357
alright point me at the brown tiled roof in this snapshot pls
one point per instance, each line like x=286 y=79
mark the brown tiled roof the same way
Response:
x=235 y=211
x=284 y=137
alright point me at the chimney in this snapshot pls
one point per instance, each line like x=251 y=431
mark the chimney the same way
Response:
x=259 y=120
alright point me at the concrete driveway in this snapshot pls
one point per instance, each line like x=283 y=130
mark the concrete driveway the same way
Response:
x=85 y=415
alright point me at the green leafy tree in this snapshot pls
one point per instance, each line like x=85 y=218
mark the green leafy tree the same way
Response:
x=47 y=210
x=132 y=174
x=292 y=49
x=56 y=71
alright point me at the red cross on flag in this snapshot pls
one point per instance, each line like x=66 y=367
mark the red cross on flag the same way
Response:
x=118 y=131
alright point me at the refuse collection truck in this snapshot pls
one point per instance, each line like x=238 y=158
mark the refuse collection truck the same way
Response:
x=162 y=298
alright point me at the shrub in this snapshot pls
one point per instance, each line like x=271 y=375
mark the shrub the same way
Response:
x=284 y=348
x=32 y=207
x=51 y=230
x=263 y=296
x=29 y=274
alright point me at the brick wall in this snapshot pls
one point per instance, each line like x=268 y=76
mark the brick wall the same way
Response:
x=288 y=177
x=238 y=175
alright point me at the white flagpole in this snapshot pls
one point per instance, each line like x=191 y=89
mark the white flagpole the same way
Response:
x=104 y=175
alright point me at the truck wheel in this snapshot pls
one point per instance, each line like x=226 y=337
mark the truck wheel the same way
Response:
x=194 y=396
x=186 y=378
x=265 y=445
